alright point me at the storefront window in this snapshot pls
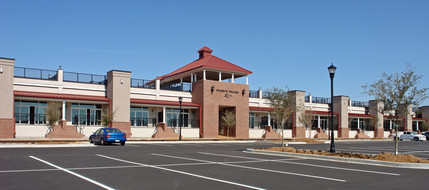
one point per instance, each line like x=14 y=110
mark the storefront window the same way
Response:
x=86 y=114
x=30 y=112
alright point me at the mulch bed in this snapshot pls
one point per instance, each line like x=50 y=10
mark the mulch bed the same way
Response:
x=408 y=158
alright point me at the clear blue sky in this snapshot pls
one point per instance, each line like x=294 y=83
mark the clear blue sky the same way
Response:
x=284 y=43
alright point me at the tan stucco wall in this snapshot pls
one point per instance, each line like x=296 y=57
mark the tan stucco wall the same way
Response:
x=6 y=85
x=118 y=87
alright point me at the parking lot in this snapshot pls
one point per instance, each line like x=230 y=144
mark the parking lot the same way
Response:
x=196 y=166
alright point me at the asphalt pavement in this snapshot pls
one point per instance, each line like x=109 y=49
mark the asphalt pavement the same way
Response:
x=209 y=165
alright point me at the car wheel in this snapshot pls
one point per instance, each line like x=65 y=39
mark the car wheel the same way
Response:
x=102 y=141
x=90 y=141
x=122 y=143
x=416 y=138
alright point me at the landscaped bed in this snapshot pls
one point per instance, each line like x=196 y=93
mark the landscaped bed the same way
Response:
x=406 y=158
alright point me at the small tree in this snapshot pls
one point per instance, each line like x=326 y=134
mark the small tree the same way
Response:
x=397 y=92
x=53 y=114
x=283 y=104
x=424 y=126
x=307 y=119
x=228 y=119
x=107 y=118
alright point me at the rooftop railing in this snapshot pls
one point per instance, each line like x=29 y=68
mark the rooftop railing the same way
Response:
x=360 y=104
x=35 y=73
x=253 y=94
x=141 y=83
x=321 y=100
x=185 y=87
x=84 y=78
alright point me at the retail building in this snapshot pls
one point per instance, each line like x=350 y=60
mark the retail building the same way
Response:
x=142 y=108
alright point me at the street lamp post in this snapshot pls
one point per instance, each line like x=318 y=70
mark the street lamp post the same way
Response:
x=332 y=69
x=180 y=118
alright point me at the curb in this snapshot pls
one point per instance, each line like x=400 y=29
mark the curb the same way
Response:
x=342 y=159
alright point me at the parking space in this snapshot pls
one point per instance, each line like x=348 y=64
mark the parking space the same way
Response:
x=189 y=166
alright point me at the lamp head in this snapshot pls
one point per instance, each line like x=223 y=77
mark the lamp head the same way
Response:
x=332 y=70
x=180 y=99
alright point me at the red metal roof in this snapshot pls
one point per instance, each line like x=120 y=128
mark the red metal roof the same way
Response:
x=162 y=102
x=207 y=61
x=60 y=96
x=419 y=119
x=260 y=108
x=319 y=112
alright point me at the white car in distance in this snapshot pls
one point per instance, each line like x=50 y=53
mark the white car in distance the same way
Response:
x=412 y=135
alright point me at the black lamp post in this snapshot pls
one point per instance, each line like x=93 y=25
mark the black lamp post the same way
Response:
x=332 y=69
x=180 y=118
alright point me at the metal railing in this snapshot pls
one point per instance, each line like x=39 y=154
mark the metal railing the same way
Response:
x=265 y=94
x=360 y=104
x=193 y=123
x=141 y=83
x=307 y=98
x=186 y=87
x=143 y=122
x=28 y=118
x=84 y=78
x=321 y=100
x=253 y=93
x=86 y=120
x=35 y=73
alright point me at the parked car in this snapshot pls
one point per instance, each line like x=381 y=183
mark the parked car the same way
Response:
x=412 y=135
x=426 y=134
x=108 y=135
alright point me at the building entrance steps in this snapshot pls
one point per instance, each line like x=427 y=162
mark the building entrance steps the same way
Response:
x=361 y=135
x=270 y=133
x=162 y=131
x=321 y=135
x=64 y=131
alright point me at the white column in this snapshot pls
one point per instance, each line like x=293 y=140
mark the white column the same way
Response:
x=269 y=119
x=204 y=74
x=195 y=79
x=417 y=125
x=220 y=76
x=181 y=84
x=232 y=78
x=358 y=123
x=390 y=121
x=163 y=115
x=192 y=77
x=318 y=121
x=64 y=110
x=247 y=80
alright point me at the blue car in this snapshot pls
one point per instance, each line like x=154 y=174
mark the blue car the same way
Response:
x=107 y=136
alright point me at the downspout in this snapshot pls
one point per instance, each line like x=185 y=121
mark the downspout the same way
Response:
x=201 y=132
x=14 y=119
x=293 y=125
x=110 y=111
x=338 y=128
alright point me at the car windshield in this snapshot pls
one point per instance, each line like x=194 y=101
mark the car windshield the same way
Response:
x=113 y=130
x=414 y=133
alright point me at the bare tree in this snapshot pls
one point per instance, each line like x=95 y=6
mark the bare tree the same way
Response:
x=228 y=119
x=397 y=92
x=283 y=104
x=307 y=119
x=53 y=115
x=107 y=118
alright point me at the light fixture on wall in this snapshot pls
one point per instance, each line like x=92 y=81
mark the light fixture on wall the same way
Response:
x=1 y=70
x=212 y=89
x=243 y=92
x=122 y=81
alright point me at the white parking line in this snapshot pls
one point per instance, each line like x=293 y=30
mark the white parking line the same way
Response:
x=253 y=168
x=181 y=172
x=73 y=173
x=304 y=164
